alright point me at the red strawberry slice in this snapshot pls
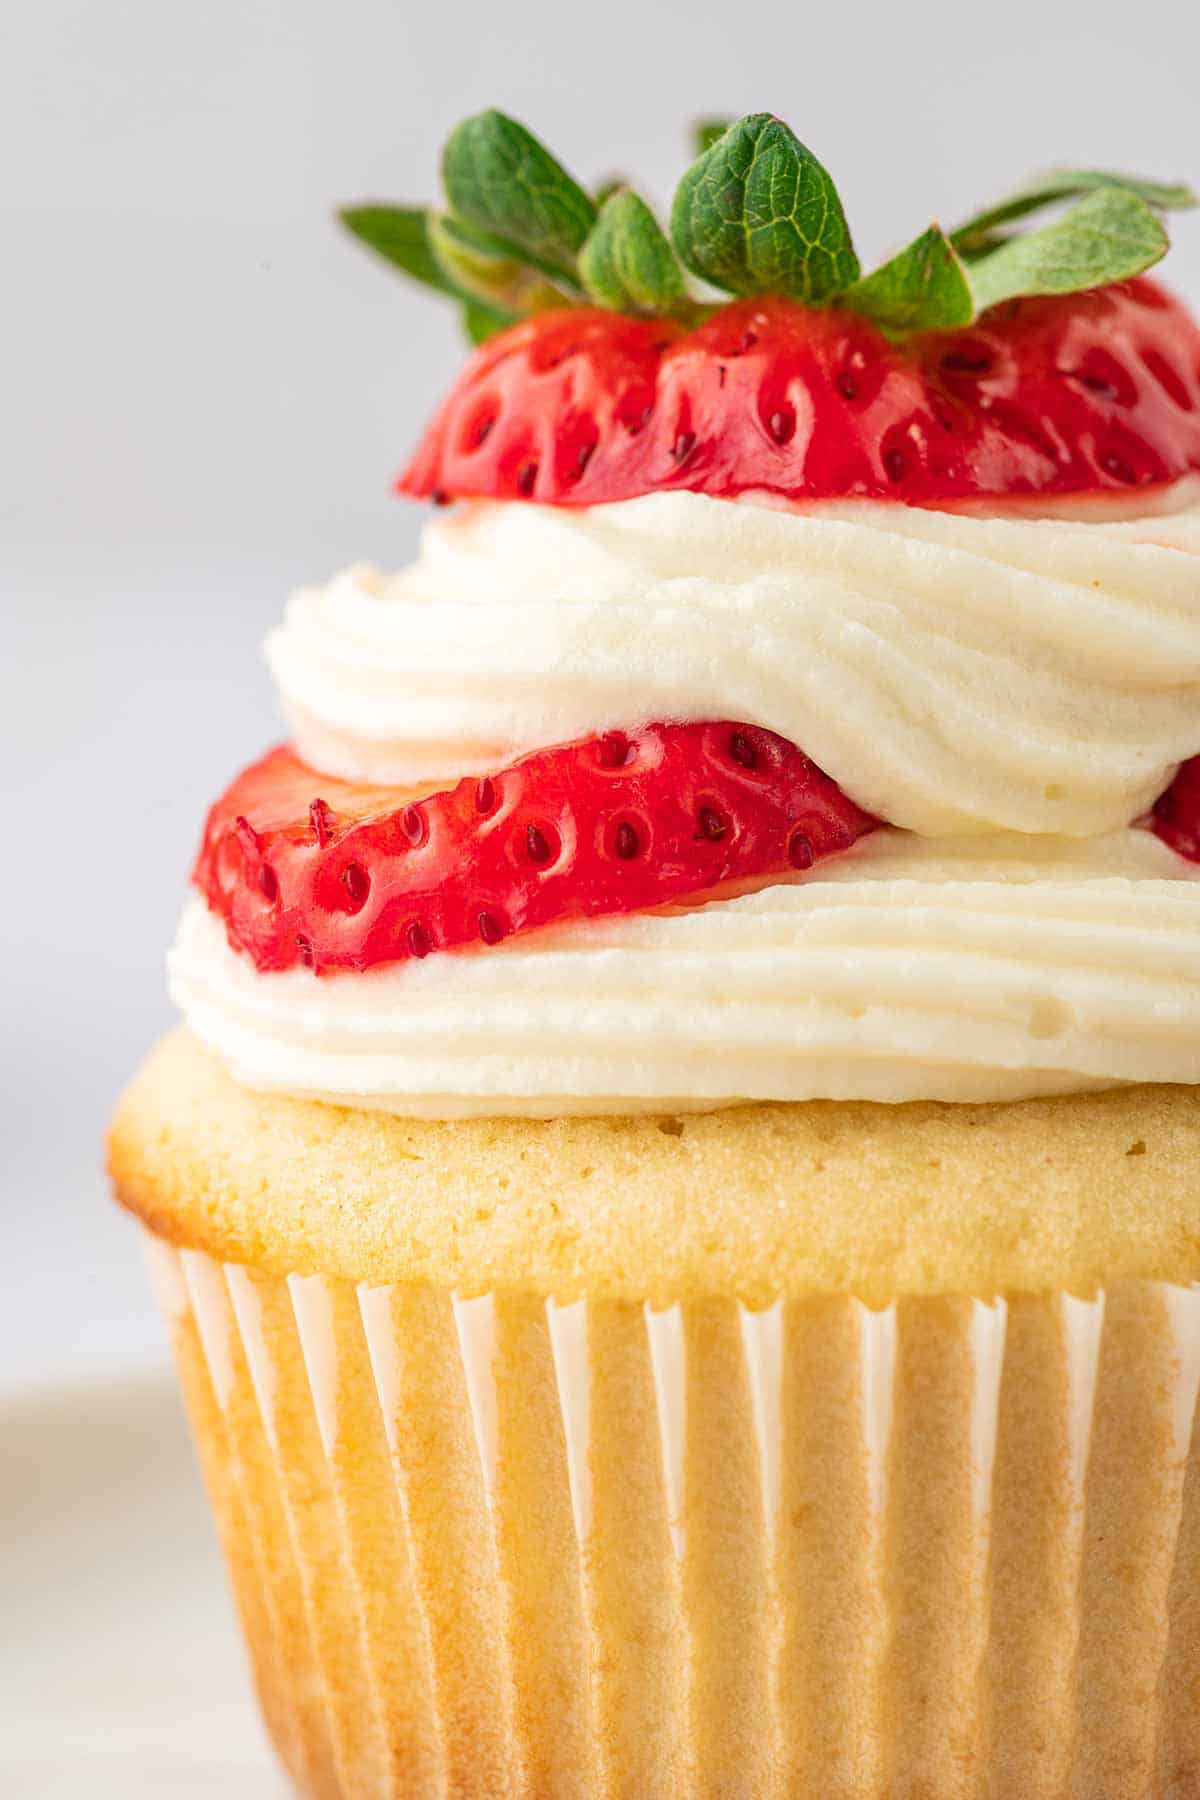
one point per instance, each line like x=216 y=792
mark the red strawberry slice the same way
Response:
x=1085 y=392
x=1177 y=812
x=306 y=870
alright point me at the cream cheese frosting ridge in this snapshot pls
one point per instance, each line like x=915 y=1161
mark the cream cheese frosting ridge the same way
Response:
x=991 y=968
x=954 y=673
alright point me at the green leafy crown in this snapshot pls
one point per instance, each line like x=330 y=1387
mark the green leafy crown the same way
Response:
x=755 y=214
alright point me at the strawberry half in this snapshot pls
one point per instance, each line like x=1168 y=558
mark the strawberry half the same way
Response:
x=306 y=870
x=1084 y=392
x=1177 y=812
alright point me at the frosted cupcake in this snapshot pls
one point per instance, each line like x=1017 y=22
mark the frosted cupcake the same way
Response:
x=678 y=1195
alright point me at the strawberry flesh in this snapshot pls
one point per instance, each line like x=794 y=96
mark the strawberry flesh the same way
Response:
x=1084 y=392
x=1176 y=814
x=310 y=871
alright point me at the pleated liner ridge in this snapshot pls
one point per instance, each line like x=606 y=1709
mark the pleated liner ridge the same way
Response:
x=498 y=1547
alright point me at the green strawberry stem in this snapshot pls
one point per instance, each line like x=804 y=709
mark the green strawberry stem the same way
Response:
x=756 y=213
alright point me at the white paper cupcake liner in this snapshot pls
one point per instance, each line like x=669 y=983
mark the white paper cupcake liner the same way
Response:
x=501 y=1547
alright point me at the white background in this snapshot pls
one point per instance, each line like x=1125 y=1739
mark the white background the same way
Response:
x=204 y=392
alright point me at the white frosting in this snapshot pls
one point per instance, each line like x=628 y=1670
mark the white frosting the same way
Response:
x=988 y=968
x=1014 y=691
x=954 y=673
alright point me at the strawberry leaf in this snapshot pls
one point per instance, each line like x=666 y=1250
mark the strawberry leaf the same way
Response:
x=924 y=287
x=1108 y=236
x=627 y=263
x=758 y=214
x=755 y=214
x=705 y=133
x=500 y=179
x=483 y=269
x=482 y=322
x=399 y=234
x=971 y=238
x=604 y=190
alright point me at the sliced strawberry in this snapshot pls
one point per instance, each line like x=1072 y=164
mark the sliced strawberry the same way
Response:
x=308 y=870
x=1085 y=392
x=1177 y=812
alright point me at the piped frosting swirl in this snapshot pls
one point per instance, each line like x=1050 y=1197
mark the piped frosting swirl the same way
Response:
x=988 y=969
x=1012 y=691
x=952 y=673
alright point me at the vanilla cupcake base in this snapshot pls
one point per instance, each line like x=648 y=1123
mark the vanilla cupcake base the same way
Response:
x=499 y=1547
x=755 y=1202
x=752 y=1488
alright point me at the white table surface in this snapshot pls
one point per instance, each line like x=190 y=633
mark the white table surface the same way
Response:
x=121 y=1673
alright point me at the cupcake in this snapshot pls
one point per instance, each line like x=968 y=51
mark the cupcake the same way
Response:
x=677 y=1195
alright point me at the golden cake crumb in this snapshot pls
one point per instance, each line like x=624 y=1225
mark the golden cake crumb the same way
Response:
x=758 y=1201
